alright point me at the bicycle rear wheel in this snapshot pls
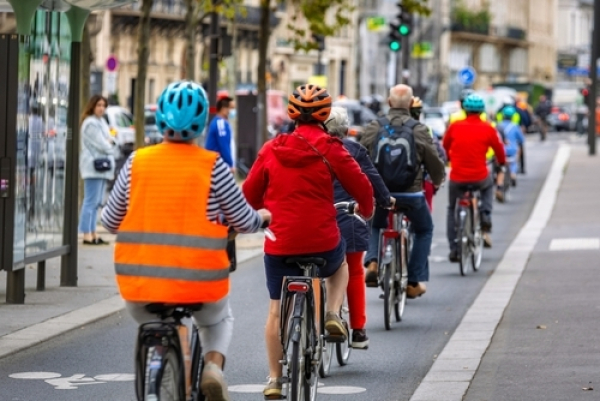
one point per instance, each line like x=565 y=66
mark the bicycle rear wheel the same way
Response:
x=463 y=236
x=389 y=295
x=402 y=273
x=197 y=366
x=343 y=349
x=477 y=245
x=164 y=378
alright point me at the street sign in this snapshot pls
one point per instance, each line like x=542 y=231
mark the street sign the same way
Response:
x=422 y=50
x=376 y=24
x=466 y=76
x=111 y=82
x=112 y=63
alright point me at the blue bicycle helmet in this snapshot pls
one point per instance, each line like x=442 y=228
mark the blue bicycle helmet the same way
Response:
x=508 y=112
x=182 y=111
x=474 y=104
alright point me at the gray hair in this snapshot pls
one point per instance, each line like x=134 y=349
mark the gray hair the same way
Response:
x=401 y=96
x=337 y=123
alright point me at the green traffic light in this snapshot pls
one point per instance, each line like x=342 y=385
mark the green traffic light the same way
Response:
x=394 y=46
x=404 y=30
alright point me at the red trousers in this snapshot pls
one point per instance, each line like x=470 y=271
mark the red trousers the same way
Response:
x=428 y=188
x=356 y=290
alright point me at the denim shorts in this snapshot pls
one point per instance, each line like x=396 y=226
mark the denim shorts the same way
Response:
x=276 y=268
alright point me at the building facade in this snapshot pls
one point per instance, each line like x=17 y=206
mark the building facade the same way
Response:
x=574 y=39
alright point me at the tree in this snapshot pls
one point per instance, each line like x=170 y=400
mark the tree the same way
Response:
x=140 y=86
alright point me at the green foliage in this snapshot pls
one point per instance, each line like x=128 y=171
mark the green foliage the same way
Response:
x=226 y=8
x=420 y=7
x=471 y=20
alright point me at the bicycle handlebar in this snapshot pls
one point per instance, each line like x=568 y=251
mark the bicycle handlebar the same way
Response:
x=350 y=208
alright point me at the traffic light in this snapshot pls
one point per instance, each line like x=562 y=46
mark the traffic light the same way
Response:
x=395 y=40
x=405 y=24
x=400 y=27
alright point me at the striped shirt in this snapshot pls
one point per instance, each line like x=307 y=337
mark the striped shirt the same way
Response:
x=225 y=198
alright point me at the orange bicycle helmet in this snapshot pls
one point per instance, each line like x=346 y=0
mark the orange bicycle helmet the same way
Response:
x=416 y=103
x=309 y=103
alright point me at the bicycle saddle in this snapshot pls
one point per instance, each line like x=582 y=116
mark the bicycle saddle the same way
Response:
x=161 y=308
x=303 y=261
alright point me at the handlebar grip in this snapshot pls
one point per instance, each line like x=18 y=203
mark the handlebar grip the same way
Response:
x=265 y=224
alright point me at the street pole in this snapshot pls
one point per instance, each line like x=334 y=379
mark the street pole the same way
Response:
x=405 y=60
x=213 y=69
x=594 y=78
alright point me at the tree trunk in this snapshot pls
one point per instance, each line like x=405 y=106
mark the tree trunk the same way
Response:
x=142 y=72
x=190 y=38
x=263 y=44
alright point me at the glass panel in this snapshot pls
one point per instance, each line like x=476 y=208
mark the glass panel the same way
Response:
x=46 y=144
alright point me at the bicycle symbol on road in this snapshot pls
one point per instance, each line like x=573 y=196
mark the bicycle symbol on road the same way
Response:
x=73 y=382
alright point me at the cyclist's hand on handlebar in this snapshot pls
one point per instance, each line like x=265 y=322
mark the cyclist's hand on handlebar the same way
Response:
x=392 y=202
x=266 y=217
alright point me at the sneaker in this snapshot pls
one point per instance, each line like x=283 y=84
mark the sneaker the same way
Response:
x=486 y=223
x=499 y=196
x=213 y=383
x=453 y=256
x=487 y=240
x=371 y=276
x=360 y=339
x=334 y=325
x=414 y=291
x=273 y=389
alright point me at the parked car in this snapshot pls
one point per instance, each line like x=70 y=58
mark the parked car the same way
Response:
x=120 y=123
x=359 y=116
x=152 y=134
x=434 y=118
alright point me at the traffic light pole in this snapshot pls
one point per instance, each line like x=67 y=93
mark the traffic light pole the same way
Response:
x=594 y=78
x=405 y=60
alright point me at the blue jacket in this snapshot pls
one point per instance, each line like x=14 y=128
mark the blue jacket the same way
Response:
x=513 y=136
x=219 y=139
x=355 y=232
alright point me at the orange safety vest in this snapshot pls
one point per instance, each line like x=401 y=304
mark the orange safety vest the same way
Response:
x=166 y=249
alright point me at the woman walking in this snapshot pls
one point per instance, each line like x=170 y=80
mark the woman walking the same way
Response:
x=96 y=166
x=355 y=233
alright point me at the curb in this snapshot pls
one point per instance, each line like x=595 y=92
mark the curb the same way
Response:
x=40 y=332
x=455 y=367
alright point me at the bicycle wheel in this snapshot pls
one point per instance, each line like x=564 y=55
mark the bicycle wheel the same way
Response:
x=402 y=281
x=388 y=294
x=297 y=372
x=170 y=381
x=197 y=366
x=506 y=186
x=343 y=349
x=463 y=234
x=325 y=365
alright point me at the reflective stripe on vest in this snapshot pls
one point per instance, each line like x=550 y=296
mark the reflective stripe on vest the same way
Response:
x=166 y=249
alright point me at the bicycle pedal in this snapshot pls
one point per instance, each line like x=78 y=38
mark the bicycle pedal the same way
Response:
x=335 y=339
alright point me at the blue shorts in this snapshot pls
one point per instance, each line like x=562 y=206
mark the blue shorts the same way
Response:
x=276 y=268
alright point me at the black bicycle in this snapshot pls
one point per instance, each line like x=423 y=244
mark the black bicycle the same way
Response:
x=169 y=362
x=302 y=326
x=469 y=235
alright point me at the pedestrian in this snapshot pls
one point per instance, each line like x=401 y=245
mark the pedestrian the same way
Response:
x=355 y=232
x=96 y=166
x=219 y=138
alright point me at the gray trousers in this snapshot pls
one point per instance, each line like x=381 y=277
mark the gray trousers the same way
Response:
x=487 y=201
x=214 y=322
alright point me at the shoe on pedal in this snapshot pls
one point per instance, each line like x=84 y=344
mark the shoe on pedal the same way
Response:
x=213 y=383
x=499 y=196
x=453 y=256
x=273 y=389
x=335 y=327
x=487 y=240
x=360 y=339
x=371 y=275
x=413 y=291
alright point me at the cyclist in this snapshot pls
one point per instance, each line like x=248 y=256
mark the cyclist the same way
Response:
x=355 y=233
x=513 y=141
x=400 y=99
x=293 y=177
x=164 y=208
x=508 y=101
x=466 y=144
x=428 y=188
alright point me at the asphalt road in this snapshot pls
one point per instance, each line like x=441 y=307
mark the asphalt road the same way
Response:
x=96 y=362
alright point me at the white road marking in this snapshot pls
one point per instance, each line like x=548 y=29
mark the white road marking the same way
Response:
x=574 y=244
x=341 y=390
x=35 y=375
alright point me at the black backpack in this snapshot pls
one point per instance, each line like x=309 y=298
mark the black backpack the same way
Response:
x=395 y=154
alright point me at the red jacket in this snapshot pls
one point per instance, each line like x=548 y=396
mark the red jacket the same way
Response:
x=466 y=142
x=293 y=182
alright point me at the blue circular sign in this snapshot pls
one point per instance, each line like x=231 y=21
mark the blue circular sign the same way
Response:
x=466 y=76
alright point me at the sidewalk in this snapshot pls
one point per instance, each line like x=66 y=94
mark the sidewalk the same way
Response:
x=48 y=313
x=530 y=335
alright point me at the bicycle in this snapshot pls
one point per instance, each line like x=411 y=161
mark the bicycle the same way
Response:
x=167 y=368
x=469 y=235
x=342 y=349
x=395 y=243
x=302 y=330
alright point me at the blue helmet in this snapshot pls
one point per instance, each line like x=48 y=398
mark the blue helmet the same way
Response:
x=182 y=111
x=474 y=104
x=508 y=112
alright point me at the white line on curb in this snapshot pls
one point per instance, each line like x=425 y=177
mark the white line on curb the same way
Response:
x=452 y=372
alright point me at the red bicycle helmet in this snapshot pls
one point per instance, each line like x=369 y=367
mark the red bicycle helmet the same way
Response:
x=309 y=103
